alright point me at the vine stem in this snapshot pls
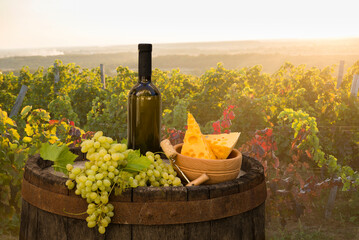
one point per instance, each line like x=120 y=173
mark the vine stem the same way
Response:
x=75 y=214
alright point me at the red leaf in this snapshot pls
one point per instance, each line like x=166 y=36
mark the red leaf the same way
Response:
x=231 y=115
x=225 y=124
x=308 y=154
x=53 y=122
x=269 y=132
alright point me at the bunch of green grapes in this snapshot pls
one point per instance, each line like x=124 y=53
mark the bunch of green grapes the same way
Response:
x=96 y=181
x=156 y=175
x=105 y=170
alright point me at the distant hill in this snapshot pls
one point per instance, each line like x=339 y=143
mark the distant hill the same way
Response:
x=193 y=58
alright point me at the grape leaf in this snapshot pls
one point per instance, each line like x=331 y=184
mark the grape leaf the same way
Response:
x=136 y=162
x=60 y=155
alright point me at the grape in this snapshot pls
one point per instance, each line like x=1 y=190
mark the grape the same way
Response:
x=99 y=183
x=98 y=134
x=82 y=179
x=96 y=144
x=165 y=175
x=91 y=150
x=156 y=173
x=143 y=175
x=102 y=139
x=107 y=157
x=142 y=183
x=99 y=176
x=90 y=211
x=106 y=182
x=171 y=177
x=155 y=184
x=102 y=152
x=84 y=149
x=88 y=183
x=91 y=224
x=104 y=199
x=104 y=222
x=110 y=206
x=93 y=195
x=91 y=178
x=69 y=167
x=111 y=175
x=176 y=181
x=151 y=158
x=152 y=178
x=76 y=170
x=106 y=145
x=101 y=229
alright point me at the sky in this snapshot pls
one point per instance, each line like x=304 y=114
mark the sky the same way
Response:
x=66 y=23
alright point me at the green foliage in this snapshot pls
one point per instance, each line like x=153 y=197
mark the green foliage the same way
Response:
x=12 y=158
x=303 y=124
x=109 y=116
x=61 y=108
x=214 y=85
x=82 y=98
x=7 y=100
x=123 y=81
x=15 y=147
x=136 y=162
x=249 y=112
x=59 y=155
x=178 y=117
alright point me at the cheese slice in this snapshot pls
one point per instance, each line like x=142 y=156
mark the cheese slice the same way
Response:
x=222 y=144
x=194 y=143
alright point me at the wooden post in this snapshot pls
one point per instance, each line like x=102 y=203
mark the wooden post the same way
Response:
x=57 y=73
x=56 y=77
x=340 y=74
x=20 y=98
x=102 y=72
x=355 y=86
x=330 y=203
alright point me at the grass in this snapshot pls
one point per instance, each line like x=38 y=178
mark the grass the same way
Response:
x=319 y=230
x=8 y=237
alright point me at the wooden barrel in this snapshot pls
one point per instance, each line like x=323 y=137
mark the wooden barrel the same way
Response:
x=228 y=210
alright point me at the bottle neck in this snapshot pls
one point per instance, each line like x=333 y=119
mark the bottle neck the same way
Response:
x=144 y=66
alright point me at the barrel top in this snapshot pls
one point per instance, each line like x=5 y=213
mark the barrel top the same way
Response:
x=40 y=176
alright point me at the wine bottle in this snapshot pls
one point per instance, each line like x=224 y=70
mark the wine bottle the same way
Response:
x=144 y=107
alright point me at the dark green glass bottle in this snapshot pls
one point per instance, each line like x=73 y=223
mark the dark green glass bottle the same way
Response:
x=144 y=107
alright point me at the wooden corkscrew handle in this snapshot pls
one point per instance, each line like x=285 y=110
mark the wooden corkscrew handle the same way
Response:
x=198 y=181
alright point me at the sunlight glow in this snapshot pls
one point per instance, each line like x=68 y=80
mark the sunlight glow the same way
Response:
x=51 y=23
